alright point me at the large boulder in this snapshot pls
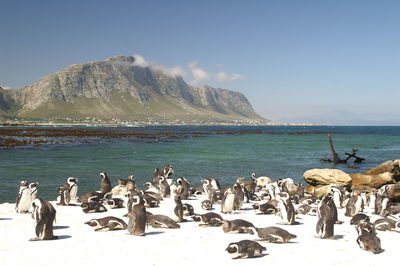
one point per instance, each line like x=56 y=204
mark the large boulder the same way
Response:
x=382 y=168
x=316 y=177
x=372 y=181
x=319 y=191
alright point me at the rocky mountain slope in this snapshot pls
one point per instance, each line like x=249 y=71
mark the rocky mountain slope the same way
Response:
x=119 y=89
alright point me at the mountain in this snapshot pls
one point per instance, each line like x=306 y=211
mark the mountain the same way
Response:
x=119 y=89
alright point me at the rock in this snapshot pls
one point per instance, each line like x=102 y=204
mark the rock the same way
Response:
x=326 y=177
x=372 y=181
x=319 y=191
x=380 y=169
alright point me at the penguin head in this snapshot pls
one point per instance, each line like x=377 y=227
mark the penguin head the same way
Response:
x=131 y=177
x=103 y=175
x=197 y=218
x=232 y=248
x=33 y=185
x=72 y=180
x=256 y=206
x=23 y=183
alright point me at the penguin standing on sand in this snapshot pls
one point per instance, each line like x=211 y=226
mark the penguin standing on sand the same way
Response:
x=63 y=198
x=327 y=216
x=354 y=205
x=44 y=215
x=382 y=202
x=105 y=185
x=184 y=187
x=337 y=197
x=23 y=200
x=238 y=188
x=72 y=184
x=286 y=208
x=137 y=215
x=179 y=209
x=228 y=201
x=165 y=189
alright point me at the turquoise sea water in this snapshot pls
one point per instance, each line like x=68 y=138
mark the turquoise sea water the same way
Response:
x=279 y=152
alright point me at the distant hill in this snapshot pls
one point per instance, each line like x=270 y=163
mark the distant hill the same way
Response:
x=118 y=89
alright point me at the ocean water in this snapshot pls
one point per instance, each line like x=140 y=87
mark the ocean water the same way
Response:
x=273 y=151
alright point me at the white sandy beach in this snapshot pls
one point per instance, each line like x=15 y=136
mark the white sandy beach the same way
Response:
x=79 y=244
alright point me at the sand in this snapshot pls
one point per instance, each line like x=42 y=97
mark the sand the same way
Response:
x=190 y=245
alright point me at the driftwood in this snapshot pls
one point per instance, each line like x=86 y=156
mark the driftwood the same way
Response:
x=335 y=157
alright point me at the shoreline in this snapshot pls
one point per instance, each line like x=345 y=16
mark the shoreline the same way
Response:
x=191 y=244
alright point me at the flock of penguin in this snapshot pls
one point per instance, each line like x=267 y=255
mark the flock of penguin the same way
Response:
x=278 y=198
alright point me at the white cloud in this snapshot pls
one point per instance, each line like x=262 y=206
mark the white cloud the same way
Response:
x=192 y=71
x=222 y=76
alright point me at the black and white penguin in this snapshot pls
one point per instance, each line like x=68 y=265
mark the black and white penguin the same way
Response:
x=63 y=198
x=367 y=239
x=210 y=186
x=183 y=187
x=34 y=191
x=238 y=226
x=115 y=203
x=306 y=209
x=105 y=184
x=44 y=214
x=387 y=224
x=137 y=215
x=382 y=202
x=150 y=200
x=178 y=210
x=245 y=249
x=208 y=219
x=337 y=196
x=165 y=189
x=92 y=197
x=274 y=234
x=265 y=208
x=108 y=223
x=72 y=184
x=188 y=209
x=327 y=216
x=161 y=221
x=286 y=209
x=228 y=201
x=207 y=205
x=354 y=205
x=356 y=219
x=238 y=189
x=92 y=207
x=23 y=200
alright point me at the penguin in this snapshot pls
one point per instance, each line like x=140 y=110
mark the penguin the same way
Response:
x=23 y=200
x=167 y=171
x=165 y=189
x=228 y=201
x=149 y=200
x=286 y=209
x=105 y=185
x=306 y=209
x=265 y=208
x=115 y=203
x=327 y=216
x=206 y=205
x=337 y=196
x=245 y=249
x=210 y=185
x=188 y=209
x=92 y=197
x=372 y=199
x=354 y=205
x=72 y=184
x=208 y=219
x=387 y=224
x=274 y=234
x=92 y=207
x=63 y=198
x=137 y=215
x=184 y=188
x=238 y=226
x=368 y=240
x=178 y=210
x=33 y=188
x=382 y=202
x=355 y=220
x=108 y=223
x=238 y=189
x=161 y=221
x=44 y=215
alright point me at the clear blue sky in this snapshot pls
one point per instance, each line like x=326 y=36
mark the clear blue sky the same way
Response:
x=292 y=59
